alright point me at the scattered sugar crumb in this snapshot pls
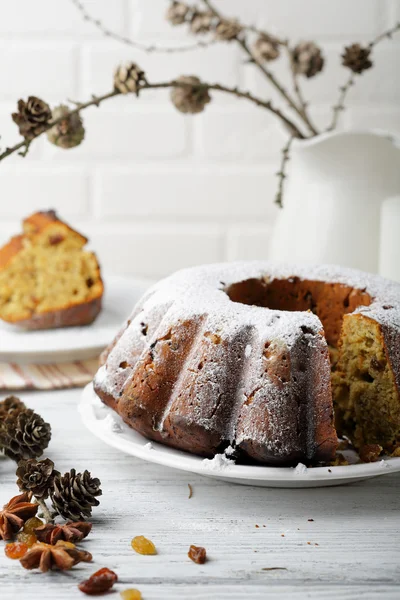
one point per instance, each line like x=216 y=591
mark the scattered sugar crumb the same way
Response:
x=247 y=351
x=300 y=469
x=384 y=464
x=257 y=526
x=229 y=451
x=109 y=423
x=218 y=463
x=148 y=446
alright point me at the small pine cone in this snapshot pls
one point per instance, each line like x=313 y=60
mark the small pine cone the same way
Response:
x=177 y=13
x=265 y=49
x=202 y=22
x=24 y=436
x=188 y=99
x=36 y=476
x=73 y=495
x=307 y=59
x=69 y=132
x=32 y=117
x=227 y=30
x=357 y=58
x=10 y=406
x=128 y=78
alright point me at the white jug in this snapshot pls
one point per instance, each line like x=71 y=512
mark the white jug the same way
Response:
x=333 y=200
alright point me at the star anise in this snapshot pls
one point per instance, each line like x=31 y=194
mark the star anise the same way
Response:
x=62 y=556
x=70 y=532
x=14 y=514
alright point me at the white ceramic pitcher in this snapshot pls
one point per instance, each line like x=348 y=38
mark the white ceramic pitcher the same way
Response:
x=333 y=201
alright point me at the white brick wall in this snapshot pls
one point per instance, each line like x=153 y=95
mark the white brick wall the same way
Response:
x=156 y=190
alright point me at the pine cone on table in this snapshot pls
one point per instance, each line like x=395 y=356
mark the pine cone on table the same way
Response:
x=357 y=58
x=128 y=78
x=24 y=436
x=265 y=49
x=11 y=406
x=69 y=132
x=307 y=59
x=177 y=13
x=36 y=476
x=188 y=98
x=74 y=494
x=32 y=117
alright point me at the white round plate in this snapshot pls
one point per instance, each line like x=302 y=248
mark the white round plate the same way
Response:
x=74 y=343
x=104 y=423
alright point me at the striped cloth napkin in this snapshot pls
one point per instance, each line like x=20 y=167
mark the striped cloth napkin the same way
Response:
x=47 y=377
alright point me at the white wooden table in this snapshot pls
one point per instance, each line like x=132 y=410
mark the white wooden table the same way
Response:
x=356 y=528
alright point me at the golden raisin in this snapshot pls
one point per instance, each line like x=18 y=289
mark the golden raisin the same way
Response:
x=27 y=538
x=32 y=524
x=16 y=550
x=131 y=595
x=197 y=554
x=65 y=544
x=142 y=545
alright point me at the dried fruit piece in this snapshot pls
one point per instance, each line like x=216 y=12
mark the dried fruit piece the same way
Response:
x=27 y=538
x=16 y=550
x=197 y=554
x=131 y=595
x=99 y=582
x=370 y=452
x=142 y=545
x=31 y=524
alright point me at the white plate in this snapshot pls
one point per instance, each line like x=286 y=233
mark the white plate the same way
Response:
x=74 y=343
x=104 y=423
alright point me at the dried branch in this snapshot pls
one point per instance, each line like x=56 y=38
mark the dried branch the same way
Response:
x=129 y=42
x=344 y=89
x=282 y=172
x=97 y=100
x=266 y=72
x=303 y=105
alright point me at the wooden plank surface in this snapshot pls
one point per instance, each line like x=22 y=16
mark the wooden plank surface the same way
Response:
x=356 y=528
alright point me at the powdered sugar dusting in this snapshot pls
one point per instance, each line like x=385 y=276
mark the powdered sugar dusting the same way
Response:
x=300 y=469
x=220 y=462
x=243 y=331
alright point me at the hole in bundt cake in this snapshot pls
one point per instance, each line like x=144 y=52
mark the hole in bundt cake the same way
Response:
x=329 y=301
x=363 y=384
x=124 y=365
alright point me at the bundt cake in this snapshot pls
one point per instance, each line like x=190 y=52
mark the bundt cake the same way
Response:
x=238 y=354
x=47 y=279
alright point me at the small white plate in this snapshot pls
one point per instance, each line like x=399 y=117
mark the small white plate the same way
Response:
x=74 y=343
x=104 y=423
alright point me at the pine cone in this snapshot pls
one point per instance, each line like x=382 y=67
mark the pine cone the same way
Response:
x=36 y=476
x=202 y=22
x=190 y=99
x=265 y=49
x=357 y=58
x=32 y=117
x=307 y=59
x=128 y=78
x=73 y=495
x=11 y=406
x=177 y=13
x=61 y=556
x=227 y=30
x=14 y=514
x=24 y=436
x=69 y=132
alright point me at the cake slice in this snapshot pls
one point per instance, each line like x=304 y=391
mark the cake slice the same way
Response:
x=47 y=279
